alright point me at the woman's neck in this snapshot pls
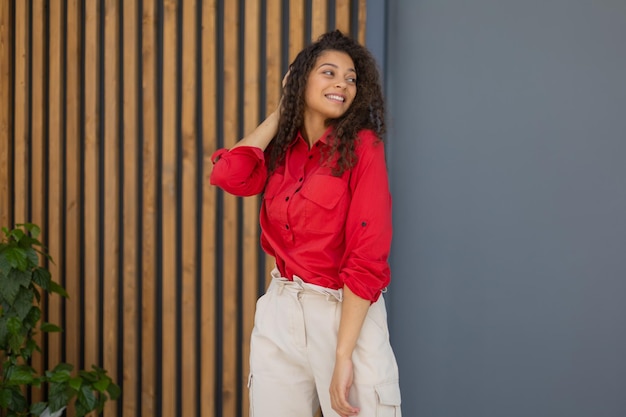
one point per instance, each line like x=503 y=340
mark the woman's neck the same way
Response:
x=313 y=129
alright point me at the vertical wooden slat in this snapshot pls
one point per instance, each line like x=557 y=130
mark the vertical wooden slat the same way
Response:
x=362 y=19
x=37 y=129
x=250 y=205
x=342 y=15
x=273 y=58
x=189 y=219
x=130 y=320
x=20 y=167
x=73 y=249
x=55 y=167
x=92 y=202
x=6 y=114
x=296 y=28
x=169 y=194
x=149 y=211
x=319 y=19
x=209 y=135
x=274 y=75
x=111 y=260
x=230 y=376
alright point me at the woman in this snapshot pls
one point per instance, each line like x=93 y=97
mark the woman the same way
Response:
x=320 y=334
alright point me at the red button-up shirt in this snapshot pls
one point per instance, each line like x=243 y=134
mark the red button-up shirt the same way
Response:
x=327 y=230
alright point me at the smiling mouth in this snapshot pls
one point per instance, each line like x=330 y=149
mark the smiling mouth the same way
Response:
x=336 y=97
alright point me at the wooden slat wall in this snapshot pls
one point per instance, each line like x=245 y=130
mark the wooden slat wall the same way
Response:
x=109 y=113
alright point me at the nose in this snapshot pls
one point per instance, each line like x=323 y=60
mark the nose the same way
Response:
x=341 y=84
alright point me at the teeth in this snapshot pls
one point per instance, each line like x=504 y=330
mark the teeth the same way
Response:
x=335 y=97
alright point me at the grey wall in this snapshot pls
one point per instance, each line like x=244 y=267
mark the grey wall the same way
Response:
x=507 y=156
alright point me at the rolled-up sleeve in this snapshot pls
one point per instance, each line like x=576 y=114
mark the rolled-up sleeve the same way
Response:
x=240 y=171
x=365 y=268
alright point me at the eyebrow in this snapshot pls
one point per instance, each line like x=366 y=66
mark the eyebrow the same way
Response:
x=335 y=66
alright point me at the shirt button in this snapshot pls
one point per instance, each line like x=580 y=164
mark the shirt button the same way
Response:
x=287 y=226
x=298 y=189
x=286 y=198
x=300 y=179
x=310 y=156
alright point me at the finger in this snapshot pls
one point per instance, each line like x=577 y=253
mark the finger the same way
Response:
x=341 y=405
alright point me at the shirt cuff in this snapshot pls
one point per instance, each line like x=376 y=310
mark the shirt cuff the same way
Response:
x=218 y=154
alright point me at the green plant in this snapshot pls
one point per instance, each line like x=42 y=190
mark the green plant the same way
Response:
x=22 y=283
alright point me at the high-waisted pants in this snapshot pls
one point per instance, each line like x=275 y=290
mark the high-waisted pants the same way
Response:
x=292 y=354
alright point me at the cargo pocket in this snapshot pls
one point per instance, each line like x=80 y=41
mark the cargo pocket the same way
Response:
x=388 y=400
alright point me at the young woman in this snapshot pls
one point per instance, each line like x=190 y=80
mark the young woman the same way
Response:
x=320 y=334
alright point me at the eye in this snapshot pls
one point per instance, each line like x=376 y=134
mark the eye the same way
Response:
x=328 y=72
x=351 y=80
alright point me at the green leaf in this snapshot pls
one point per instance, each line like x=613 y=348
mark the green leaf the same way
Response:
x=16 y=257
x=102 y=384
x=38 y=408
x=80 y=409
x=5 y=266
x=36 y=382
x=65 y=367
x=3 y=332
x=32 y=228
x=23 y=278
x=49 y=327
x=17 y=234
x=86 y=397
x=20 y=375
x=15 y=342
x=54 y=287
x=33 y=258
x=14 y=325
x=33 y=316
x=9 y=288
x=60 y=376
x=114 y=391
x=29 y=348
x=75 y=383
x=18 y=401
x=23 y=302
x=58 y=396
x=41 y=277
x=5 y=397
x=88 y=376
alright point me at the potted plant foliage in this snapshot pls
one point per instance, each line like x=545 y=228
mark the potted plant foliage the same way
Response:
x=22 y=283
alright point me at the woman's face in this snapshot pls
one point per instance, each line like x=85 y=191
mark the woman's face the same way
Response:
x=331 y=86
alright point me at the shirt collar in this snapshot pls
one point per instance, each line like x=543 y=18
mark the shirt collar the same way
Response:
x=325 y=138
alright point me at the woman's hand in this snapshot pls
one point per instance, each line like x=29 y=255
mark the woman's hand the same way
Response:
x=279 y=109
x=343 y=376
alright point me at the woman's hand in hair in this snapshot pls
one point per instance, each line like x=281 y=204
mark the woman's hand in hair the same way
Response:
x=279 y=109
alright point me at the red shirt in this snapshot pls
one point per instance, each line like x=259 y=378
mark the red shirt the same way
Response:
x=327 y=230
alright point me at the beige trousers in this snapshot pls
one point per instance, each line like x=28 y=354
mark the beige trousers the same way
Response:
x=292 y=354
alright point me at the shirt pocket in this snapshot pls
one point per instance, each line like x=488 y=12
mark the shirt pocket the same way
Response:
x=271 y=190
x=325 y=203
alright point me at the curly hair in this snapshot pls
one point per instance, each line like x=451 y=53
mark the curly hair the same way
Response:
x=366 y=112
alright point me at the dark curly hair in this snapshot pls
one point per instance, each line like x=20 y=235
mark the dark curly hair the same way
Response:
x=366 y=112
